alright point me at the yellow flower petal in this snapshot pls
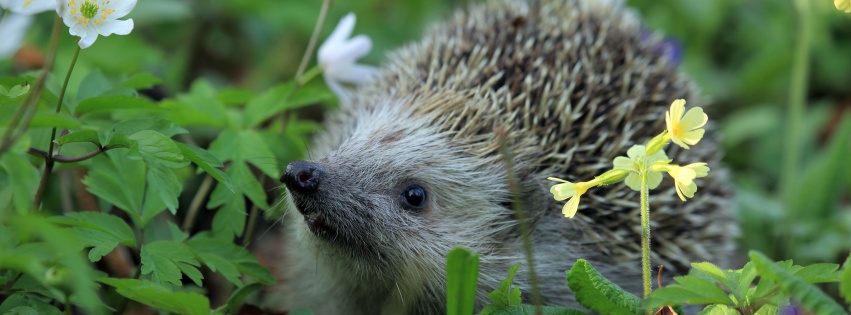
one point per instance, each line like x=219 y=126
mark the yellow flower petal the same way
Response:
x=685 y=130
x=569 y=209
x=563 y=191
x=700 y=169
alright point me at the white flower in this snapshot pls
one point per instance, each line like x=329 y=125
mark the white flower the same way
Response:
x=337 y=57
x=28 y=7
x=12 y=31
x=90 y=18
x=17 y=20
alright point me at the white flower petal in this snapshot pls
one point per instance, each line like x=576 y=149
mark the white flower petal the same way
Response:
x=338 y=90
x=357 y=74
x=88 y=39
x=12 y=31
x=117 y=27
x=29 y=6
x=121 y=8
x=340 y=34
x=78 y=30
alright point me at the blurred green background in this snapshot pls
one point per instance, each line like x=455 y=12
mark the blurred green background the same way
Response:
x=739 y=52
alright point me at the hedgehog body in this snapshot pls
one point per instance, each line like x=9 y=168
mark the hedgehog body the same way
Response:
x=411 y=168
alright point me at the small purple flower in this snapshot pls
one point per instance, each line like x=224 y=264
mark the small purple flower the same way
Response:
x=792 y=310
x=668 y=47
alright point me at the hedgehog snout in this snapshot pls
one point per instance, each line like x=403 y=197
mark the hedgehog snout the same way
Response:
x=302 y=177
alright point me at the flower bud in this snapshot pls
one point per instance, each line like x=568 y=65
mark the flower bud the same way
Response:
x=612 y=176
x=656 y=144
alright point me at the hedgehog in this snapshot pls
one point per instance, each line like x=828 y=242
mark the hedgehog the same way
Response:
x=412 y=168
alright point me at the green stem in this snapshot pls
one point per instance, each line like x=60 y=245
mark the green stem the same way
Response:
x=196 y=204
x=48 y=165
x=309 y=75
x=520 y=214
x=795 y=111
x=645 y=231
x=18 y=126
x=323 y=12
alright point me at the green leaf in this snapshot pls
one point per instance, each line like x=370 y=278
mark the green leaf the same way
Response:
x=139 y=81
x=234 y=96
x=845 y=281
x=79 y=136
x=529 y=310
x=156 y=147
x=238 y=296
x=598 y=294
x=20 y=182
x=110 y=103
x=166 y=260
x=715 y=273
x=748 y=274
x=505 y=295
x=93 y=84
x=59 y=120
x=165 y=185
x=806 y=295
x=164 y=126
x=22 y=303
x=52 y=256
x=817 y=273
x=222 y=256
x=283 y=97
x=718 y=309
x=100 y=230
x=157 y=296
x=462 y=272
x=206 y=162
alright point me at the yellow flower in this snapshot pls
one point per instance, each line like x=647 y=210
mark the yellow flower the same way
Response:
x=570 y=190
x=685 y=130
x=684 y=176
x=631 y=163
x=843 y=5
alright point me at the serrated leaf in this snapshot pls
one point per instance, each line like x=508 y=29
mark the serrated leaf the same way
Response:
x=715 y=273
x=79 y=136
x=806 y=295
x=165 y=261
x=598 y=294
x=100 y=230
x=709 y=292
x=462 y=271
x=206 y=162
x=222 y=256
x=718 y=309
x=155 y=147
x=164 y=183
x=818 y=273
x=505 y=295
x=157 y=296
x=768 y=310
x=139 y=81
x=748 y=274
x=110 y=103
x=529 y=310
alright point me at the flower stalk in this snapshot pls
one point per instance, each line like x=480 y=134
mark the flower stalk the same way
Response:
x=645 y=234
x=48 y=162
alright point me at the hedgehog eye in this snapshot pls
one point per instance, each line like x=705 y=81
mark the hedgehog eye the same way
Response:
x=414 y=197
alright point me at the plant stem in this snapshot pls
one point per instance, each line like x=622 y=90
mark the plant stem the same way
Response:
x=795 y=111
x=18 y=126
x=313 y=38
x=525 y=232
x=48 y=165
x=645 y=230
x=189 y=220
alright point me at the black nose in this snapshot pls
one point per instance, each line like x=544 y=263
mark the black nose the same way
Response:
x=302 y=177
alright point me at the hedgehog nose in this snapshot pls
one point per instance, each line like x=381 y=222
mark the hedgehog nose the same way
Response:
x=302 y=177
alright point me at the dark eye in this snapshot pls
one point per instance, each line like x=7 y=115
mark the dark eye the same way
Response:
x=414 y=197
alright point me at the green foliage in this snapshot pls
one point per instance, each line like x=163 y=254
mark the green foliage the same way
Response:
x=462 y=271
x=734 y=291
x=598 y=294
x=149 y=293
x=845 y=283
x=507 y=301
